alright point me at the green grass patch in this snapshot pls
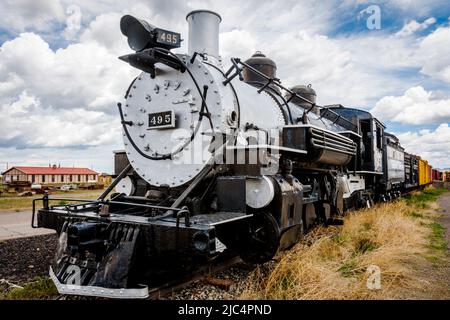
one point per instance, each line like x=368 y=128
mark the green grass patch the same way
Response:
x=16 y=203
x=348 y=268
x=37 y=289
x=339 y=239
x=416 y=215
x=421 y=198
x=287 y=281
x=437 y=241
x=364 y=245
x=367 y=226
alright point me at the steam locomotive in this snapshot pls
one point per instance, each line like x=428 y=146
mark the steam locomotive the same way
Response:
x=217 y=160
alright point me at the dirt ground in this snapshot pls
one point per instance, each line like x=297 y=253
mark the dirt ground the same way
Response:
x=444 y=204
x=436 y=274
x=23 y=259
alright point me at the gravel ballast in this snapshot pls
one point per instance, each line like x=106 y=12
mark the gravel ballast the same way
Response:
x=23 y=259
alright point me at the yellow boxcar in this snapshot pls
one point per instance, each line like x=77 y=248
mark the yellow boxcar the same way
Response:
x=446 y=176
x=424 y=172
x=430 y=174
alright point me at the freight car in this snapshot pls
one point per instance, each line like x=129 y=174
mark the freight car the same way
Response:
x=216 y=160
x=425 y=174
x=446 y=176
x=436 y=175
x=411 y=171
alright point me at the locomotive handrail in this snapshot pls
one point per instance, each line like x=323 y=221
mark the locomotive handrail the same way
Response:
x=276 y=82
x=338 y=117
x=333 y=133
x=45 y=199
x=85 y=202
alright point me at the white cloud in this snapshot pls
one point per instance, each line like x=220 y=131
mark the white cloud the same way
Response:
x=73 y=22
x=274 y=18
x=53 y=127
x=10 y=83
x=432 y=145
x=20 y=15
x=104 y=31
x=76 y=76
x=341 y=70
x=434 y=51
x=414 y=26
x=418 y=8
x=63 y=98
x=237 y=43
x=381 y=52
x=416 y=106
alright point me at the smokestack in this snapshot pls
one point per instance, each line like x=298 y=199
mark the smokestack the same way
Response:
x=203 y=32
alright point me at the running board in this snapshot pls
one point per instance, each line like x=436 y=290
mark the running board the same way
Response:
x=217 y=218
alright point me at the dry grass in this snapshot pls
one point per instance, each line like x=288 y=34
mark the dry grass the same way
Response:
x=332 y=263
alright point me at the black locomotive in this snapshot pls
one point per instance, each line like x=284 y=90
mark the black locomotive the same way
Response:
x=216 y=161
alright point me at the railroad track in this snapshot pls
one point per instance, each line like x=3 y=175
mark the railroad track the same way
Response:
x=203 y=273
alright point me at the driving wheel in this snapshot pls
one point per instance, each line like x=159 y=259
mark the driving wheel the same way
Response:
x=263 y=239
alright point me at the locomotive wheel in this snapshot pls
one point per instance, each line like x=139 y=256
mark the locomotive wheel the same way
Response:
x=263 y=240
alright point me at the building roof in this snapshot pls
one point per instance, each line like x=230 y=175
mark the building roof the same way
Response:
x=52 y=170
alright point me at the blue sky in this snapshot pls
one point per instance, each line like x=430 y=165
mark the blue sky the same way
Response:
x=393 y=16
x=60 y=76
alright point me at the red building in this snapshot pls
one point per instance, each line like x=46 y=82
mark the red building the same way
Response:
x=49 y=175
